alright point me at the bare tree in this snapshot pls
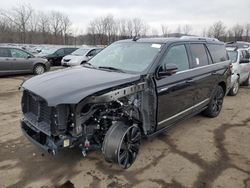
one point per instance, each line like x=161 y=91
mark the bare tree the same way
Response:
x=20 y=16
x=186 y=29
x=217 y=30
x=165 y=30
x=238 y=31
x=247 y=32
x=66 y=23
x=55 y=19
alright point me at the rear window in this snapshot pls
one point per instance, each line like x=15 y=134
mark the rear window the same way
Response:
x=199 y=55
x=218 y=52
x=4 y=52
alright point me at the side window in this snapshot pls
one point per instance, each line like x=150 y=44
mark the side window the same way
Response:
x=60 y=52
x=199 y=55
x=15 y=53
x=218 y=52
x=97 y=51
x=177 y=55
x=92 y=53
x=4 y=52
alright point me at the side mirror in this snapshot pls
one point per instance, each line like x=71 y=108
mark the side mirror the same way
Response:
x=29 y=56
x=244 y=61
x=168 y=70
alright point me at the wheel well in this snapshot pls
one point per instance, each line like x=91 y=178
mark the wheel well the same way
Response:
x=224 y=87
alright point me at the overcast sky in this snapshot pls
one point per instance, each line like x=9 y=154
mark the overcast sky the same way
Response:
x=198 y=13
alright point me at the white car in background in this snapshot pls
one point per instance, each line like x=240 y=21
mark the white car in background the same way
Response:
x=80 y=56
x=241 y=69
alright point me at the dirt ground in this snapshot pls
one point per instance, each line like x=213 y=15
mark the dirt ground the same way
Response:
x=200 y=152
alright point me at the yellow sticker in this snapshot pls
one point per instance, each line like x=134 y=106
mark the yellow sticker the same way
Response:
x=66 y=143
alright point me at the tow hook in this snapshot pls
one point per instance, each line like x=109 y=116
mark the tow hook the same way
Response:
x=85 y=148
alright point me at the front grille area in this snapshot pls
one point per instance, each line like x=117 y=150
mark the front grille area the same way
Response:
x=37 y=112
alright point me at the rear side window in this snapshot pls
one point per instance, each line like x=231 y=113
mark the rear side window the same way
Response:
x=4 y=52
x=177 y=55
x=199 y=55
x=218 y=52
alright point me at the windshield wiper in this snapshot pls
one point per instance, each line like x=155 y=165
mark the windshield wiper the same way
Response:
x=111 y=68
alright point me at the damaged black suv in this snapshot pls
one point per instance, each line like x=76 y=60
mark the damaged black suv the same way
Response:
x=132 y=89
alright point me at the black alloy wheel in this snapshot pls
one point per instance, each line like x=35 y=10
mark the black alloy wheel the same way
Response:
x=121 y=144
x=215 y=104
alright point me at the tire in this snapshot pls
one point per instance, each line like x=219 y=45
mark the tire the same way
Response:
x=39 y=69
x=247 y=82
x=121 y=144
x=215 y=104
x=235 y=89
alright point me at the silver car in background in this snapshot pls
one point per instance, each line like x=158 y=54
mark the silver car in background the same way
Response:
x=240 y=69
x=80 y=56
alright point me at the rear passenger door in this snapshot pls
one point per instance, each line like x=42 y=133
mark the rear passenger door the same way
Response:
x=201 y=75
x=175 y=92
x=5 y=63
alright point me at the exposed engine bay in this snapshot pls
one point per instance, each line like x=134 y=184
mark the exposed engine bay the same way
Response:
x=86 y=124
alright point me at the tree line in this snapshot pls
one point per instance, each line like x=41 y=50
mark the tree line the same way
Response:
x=22 y=24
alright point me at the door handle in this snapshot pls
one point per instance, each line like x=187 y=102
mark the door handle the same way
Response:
x=190 y=81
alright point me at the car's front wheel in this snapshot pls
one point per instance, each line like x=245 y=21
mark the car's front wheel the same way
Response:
x=215 y=104
x=121 y=144
x=39 y=69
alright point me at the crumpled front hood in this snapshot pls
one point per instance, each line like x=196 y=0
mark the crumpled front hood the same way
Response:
x=71 y=85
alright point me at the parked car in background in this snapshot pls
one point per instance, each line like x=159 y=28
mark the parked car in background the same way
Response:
x=17 y=61
x=80 y=56
x=240 y=69
x=239 y=44
x=54 y=55
x=131 y=89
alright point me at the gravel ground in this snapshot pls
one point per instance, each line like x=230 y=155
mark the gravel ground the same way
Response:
x=200 y=152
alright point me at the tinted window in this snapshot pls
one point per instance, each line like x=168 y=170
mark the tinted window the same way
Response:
x=60 y=52
x=18 y=53
x=177 y=55
x=199 y=55
x=4 y=52
x=218 y=52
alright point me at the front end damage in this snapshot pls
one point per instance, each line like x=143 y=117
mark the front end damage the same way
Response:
x=85 y=124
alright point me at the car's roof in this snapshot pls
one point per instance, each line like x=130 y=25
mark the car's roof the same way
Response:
x=173 y=39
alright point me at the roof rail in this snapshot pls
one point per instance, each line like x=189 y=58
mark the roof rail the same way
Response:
x=200 y=38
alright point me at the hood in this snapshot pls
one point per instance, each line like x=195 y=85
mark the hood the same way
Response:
x=71 y=85
x=74 y=57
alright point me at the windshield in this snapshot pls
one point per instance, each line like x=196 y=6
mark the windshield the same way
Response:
x=80 y=52
x=233 y=55
x=48 y=51
x=130 y=57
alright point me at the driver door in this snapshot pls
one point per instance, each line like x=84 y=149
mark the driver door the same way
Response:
x=175 y=92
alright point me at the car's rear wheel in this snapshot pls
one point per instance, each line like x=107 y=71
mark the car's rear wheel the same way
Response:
x=121 y=144
x=235 y=89
x=215 y=104
x=39 y=69
x=247 y=81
